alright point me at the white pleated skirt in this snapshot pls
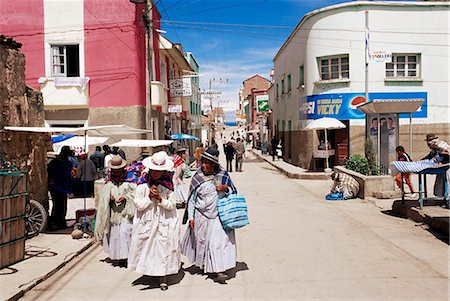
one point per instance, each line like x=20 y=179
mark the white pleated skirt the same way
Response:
x=117 y=242
x=209 y=246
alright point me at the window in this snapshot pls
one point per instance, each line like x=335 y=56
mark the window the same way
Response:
x=403 y=65
x=282 y=87
x=334 y=67
x=277 y=91
x=289 y=88
x=301 y=75
x=65 y=61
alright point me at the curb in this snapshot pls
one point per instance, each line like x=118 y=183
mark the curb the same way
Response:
x=410 y=211
x=22 y=292
x=300 y=175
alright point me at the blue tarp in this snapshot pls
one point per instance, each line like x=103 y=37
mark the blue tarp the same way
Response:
x=61 y=138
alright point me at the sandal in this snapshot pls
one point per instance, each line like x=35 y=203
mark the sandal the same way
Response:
x=163 y=286
x=221 y=278
x=162 y=283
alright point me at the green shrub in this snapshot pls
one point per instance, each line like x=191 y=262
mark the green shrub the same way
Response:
x=358 y=163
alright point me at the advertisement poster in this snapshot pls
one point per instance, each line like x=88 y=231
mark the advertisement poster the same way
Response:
x=343 y=106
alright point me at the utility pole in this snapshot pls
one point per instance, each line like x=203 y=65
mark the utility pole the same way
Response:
x=148 y=21
x=210 y=94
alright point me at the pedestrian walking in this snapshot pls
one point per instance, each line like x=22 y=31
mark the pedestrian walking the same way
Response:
x=432 y=142
x=155 y=247
x=205 y=243
x=179 y=170
x=229 y=155
x=99 y=160
x=280 y=149
x=403 y=156
x=113 y=222
x=60 y=185
x=240 y=150
x=274 y=147
x=198 y=154
x=88 y=173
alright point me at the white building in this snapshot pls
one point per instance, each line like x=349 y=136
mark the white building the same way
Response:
x=320 y=71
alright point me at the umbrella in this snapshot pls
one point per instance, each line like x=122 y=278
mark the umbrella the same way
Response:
x=325 y=123
x=60 y=138
x=183 y=137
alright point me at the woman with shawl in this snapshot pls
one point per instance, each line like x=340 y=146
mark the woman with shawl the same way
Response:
x=155 y=249
x=113 y=224
x=205 y=242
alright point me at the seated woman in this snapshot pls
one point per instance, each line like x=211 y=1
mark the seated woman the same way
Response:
x=115 y=212
x=206 y=243
x=155 y=246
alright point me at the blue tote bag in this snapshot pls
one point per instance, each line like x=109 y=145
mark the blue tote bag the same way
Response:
x=233 y=211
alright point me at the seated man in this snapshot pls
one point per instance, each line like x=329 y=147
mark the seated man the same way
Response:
x=344 y=184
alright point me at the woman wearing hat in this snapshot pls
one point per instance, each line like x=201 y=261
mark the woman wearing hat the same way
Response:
x=205 y=242
x=113 y=224
x=179 y=170
x=155 y=247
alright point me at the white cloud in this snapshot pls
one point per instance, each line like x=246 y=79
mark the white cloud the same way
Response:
x=252 y=61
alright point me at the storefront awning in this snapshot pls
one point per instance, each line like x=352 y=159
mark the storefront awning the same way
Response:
x=390 y=106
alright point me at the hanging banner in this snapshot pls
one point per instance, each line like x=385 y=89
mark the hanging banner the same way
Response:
x=343 y=106
x=180 y=87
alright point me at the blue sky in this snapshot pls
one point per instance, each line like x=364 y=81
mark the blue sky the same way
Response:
x=233 y=52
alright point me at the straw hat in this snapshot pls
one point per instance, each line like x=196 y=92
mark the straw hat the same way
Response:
x=117 y=162
x=159 y=161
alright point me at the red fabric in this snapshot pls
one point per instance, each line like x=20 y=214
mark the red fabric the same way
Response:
x=177 y=160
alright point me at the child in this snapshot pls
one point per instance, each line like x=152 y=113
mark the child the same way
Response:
x=403 y=156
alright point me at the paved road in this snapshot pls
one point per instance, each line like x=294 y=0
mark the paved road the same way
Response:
x=298 y=247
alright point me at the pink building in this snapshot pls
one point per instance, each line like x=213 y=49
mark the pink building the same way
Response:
x=89 y=59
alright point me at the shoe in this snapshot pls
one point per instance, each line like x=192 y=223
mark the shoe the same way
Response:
x=163 y=286
x=221 y=278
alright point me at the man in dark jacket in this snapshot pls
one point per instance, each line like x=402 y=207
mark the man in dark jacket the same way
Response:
x=60 y=185
x=274 y=147
x=229 y=155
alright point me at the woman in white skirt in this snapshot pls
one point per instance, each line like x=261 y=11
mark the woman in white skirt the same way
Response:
x=155 y=247
x=113 y=223
x=205 y=242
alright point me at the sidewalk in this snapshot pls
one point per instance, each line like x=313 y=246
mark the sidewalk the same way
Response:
x=433 y=214
x=290 y=170
x=45 y=254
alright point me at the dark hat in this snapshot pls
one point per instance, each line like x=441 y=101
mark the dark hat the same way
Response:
x=181 y=150
x=431 y=137
x=211 y=154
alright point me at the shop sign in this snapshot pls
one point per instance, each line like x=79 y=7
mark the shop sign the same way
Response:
x=343 y=106
x=180 y=87
x=175 y=109
x=262 y=103
x=380 y=56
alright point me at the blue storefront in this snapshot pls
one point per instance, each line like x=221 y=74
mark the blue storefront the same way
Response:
x=343 y=106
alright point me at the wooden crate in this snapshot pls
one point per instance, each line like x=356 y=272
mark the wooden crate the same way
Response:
x=13 y=196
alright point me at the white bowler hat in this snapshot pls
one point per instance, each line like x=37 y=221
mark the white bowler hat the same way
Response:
x=159 y=161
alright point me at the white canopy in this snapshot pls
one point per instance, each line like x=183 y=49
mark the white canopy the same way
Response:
x=78 y=141
x=142 y=143
x=325 y=123
x=101 y=130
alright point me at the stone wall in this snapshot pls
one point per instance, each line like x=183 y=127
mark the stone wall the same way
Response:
x=22 y=106
x=131 y=116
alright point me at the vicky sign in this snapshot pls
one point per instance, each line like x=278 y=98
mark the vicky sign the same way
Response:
x=343 y=106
